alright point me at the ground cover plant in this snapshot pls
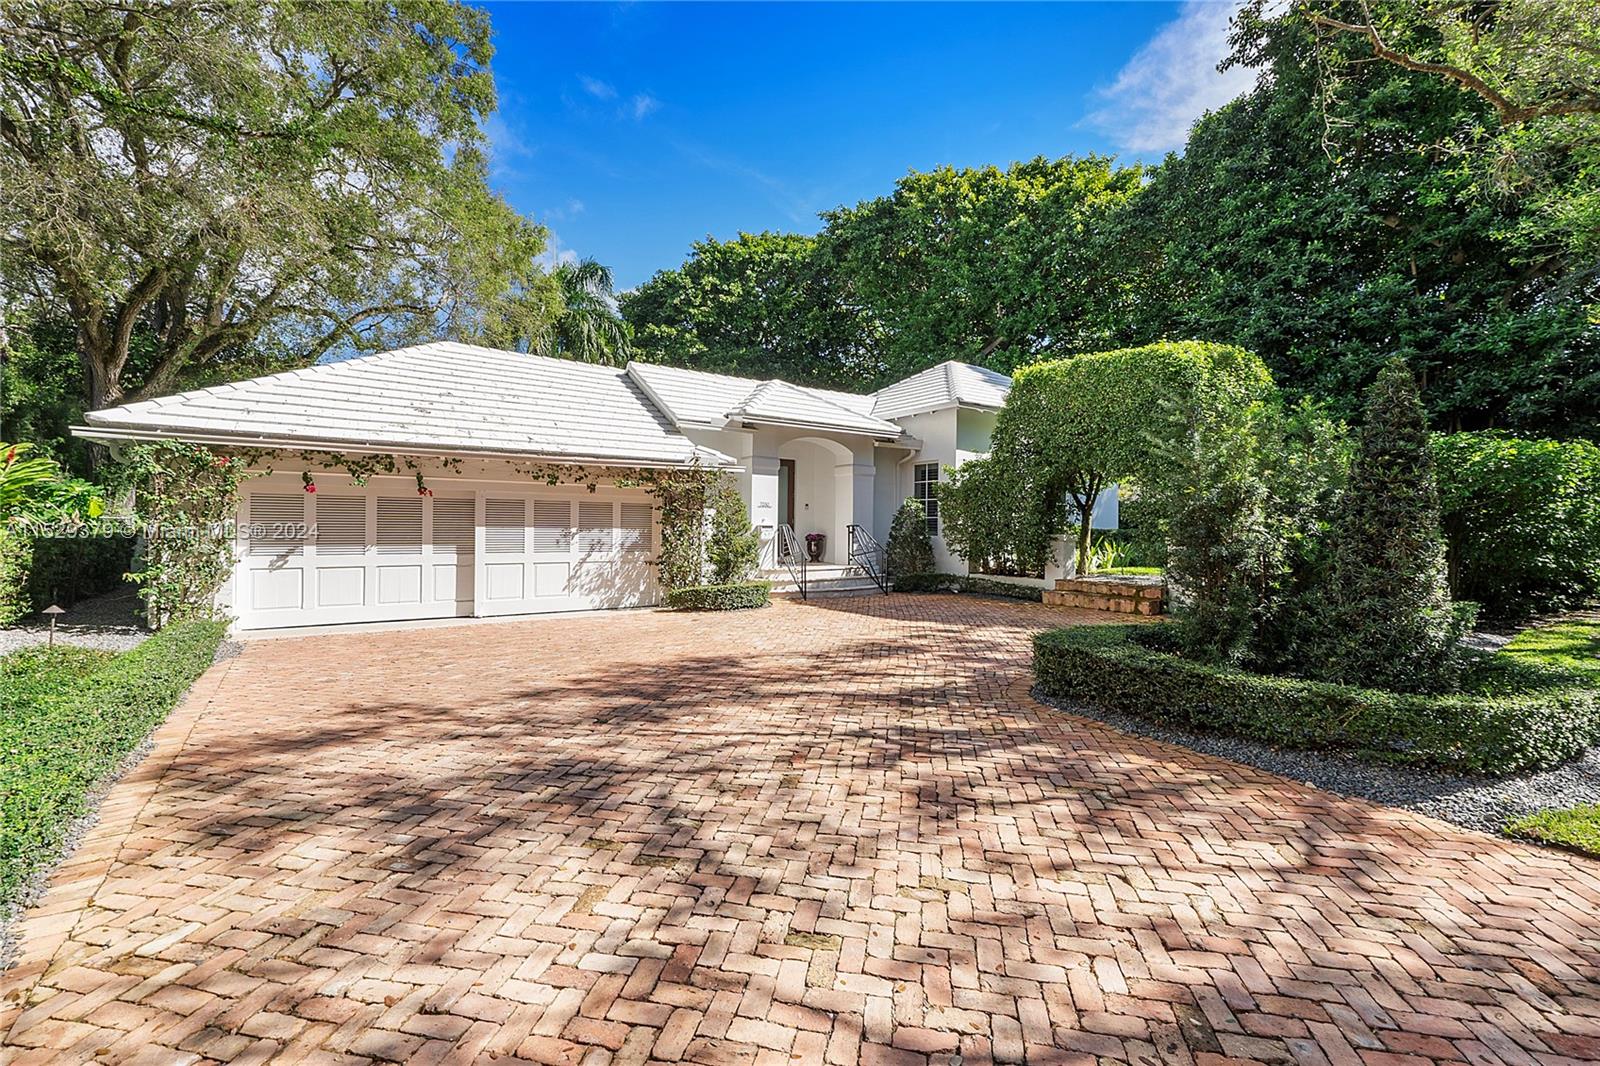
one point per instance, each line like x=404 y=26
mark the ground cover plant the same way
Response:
x=70 y=718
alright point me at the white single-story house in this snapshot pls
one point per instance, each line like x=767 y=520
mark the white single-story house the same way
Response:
x=489 y=535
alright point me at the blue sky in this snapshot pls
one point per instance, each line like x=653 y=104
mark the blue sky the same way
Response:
x=633 y=130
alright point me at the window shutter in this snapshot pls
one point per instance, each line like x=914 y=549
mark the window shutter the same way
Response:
x=277 y=523
x=453 y=526
x=634 y=527
x=399 y=525
x=505 y=526
x=594 y=526
x=552 y=526
x=341 y=525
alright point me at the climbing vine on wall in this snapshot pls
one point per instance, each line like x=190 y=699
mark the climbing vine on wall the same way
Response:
x=186 y=497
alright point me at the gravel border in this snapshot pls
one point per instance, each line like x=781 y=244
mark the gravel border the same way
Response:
x=1482 y=803
x=108 y=622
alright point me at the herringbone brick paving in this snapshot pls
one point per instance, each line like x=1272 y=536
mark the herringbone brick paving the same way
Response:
x=834 y=832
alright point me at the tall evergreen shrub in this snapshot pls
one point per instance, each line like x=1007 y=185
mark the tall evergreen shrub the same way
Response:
x=733 y=548
x=1382 y=617
x=910 y=548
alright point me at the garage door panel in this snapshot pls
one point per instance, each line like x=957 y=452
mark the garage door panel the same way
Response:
x=277 y=589
x=400 y=584
x=350 y=553
x=341 y=586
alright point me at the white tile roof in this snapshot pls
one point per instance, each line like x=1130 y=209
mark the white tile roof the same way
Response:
x=696 y=398
x=950 y=384
x=462 y=399
x=455 y=398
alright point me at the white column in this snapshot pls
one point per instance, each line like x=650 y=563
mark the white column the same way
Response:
x=759 y=486
x=852 y=503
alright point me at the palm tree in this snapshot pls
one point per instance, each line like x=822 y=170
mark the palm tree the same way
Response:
x=589 y=327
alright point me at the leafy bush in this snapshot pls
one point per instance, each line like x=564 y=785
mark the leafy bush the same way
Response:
x=1516 y=718
x=72 y=716
x=734 y=547
x=990 y=516
x=1382 y=613
x=910 y=548
x=69 y=569
x=1240 y=496
x=186 y=494
x=738 y=597
x=980 y=586
x=1521 y=521
x=16 y=558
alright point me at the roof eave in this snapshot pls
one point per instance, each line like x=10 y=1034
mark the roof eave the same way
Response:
x=703 y=455
x=751 y=422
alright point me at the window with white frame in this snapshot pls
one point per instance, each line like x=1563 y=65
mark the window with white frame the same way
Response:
x=924 y=478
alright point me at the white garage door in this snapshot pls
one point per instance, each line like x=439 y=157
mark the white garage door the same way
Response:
x=376 y=553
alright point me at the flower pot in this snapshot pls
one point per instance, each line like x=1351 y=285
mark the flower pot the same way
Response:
x=815 y=542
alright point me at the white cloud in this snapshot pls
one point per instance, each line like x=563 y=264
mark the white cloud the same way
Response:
x=643 y=105
x=596 y=88
x=1172 y=81
x=507 y=144
x=556 y=253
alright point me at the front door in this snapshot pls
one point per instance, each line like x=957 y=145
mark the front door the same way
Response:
x=786 y=492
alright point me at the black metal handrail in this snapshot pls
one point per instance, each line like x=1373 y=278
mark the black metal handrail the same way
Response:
x=791 y=555
x=865 y=551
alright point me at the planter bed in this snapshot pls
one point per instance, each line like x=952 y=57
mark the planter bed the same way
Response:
x=738 y=597
x=979 y=586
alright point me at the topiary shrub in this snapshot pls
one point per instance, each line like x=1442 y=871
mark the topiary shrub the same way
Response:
x=1521 y=521
x=910 y=548
x=739 y=597
x=733 y=549
x=1382 y=614
x=1515 y=718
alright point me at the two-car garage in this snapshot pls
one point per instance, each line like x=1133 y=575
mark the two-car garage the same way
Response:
x=389 y=551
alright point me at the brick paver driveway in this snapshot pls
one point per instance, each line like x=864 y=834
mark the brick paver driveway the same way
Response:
x=833 y=832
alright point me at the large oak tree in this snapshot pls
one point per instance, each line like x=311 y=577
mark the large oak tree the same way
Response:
x=212 y=176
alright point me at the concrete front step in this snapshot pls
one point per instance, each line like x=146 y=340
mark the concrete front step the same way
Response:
x=853 y=585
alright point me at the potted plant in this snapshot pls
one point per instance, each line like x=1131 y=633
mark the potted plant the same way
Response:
x=815 y=542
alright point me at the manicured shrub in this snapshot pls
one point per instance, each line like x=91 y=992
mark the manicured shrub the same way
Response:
x=72 y=716
x=16 y=558
x=737 y=597
x=1073 y=426
x=733 y=549
x=910 y=548
x=1382 y=613
x=981 y=586
x=1521 y=521
x=1517 y=717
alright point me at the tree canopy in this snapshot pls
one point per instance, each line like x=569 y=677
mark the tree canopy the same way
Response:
x=763 y=304
x=216 y=176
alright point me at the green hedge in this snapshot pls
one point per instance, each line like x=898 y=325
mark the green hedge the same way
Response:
x=71 y=717
x=738 y=597
x=16 y=559
x=67 y=570
x=1521 y=520
x=1518 y=717
x=981 y=586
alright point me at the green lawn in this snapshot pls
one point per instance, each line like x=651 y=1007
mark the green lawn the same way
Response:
x=1572 y=647
x=1578 y=828
x=68 y=718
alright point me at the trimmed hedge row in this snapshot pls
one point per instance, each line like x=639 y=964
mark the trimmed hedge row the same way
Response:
x=72 y=716
x=981 y=586
x=744 y=595
x=1517 y=718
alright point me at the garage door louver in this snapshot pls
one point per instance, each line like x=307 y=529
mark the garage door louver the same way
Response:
x=399 y=525
x=634 y=527
x=341 y=525
x=452 y=526
x=504 y=526
x=276 y=523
